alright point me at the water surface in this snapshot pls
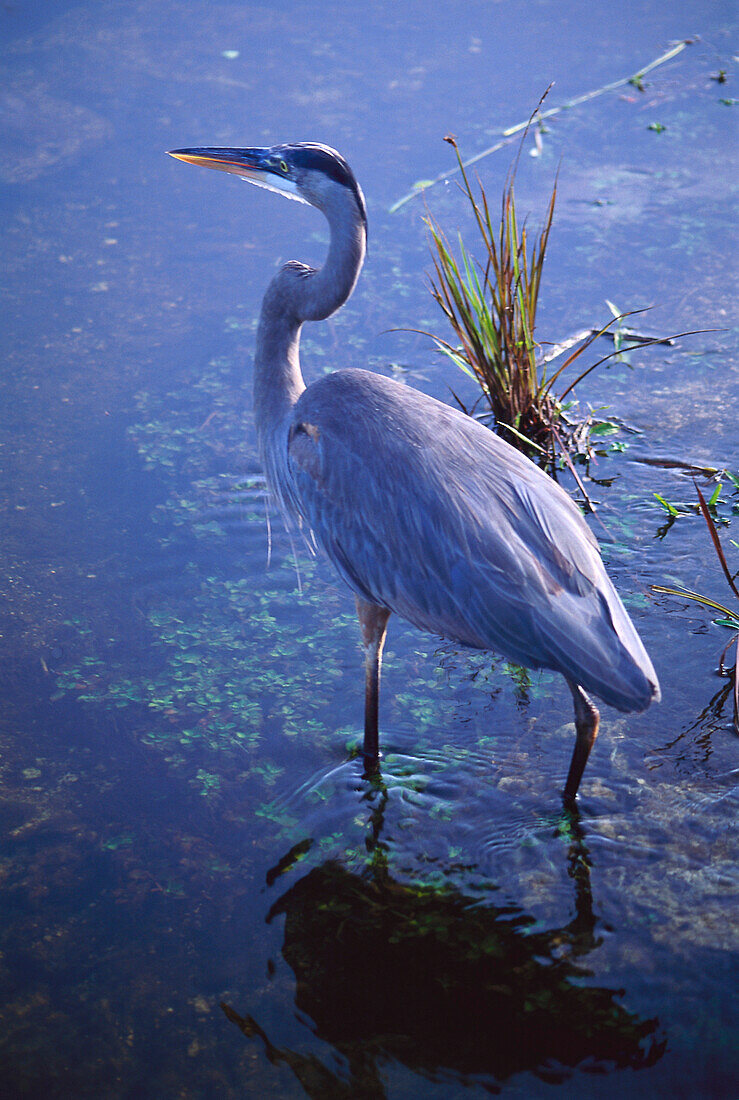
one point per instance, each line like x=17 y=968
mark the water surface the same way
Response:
x=202 y=894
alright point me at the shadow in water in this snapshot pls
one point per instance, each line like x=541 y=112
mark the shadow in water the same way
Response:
x=443 y=981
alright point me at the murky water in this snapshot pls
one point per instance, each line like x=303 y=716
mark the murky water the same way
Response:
x=201 y=893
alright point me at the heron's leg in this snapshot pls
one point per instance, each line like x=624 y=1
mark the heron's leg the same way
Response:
x=373 y=624
x=586 y=727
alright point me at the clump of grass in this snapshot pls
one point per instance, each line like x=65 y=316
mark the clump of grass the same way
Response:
x=491 y=306
x=728 y=617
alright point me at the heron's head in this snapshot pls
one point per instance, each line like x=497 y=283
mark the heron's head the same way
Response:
x=305 y=171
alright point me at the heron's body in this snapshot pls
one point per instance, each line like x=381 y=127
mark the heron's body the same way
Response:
x=424 y=512
x=457 y=532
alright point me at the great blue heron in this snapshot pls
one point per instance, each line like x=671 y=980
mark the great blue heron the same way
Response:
x=423 y=511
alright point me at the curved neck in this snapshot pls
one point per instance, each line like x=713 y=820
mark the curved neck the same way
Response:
x=297 y=294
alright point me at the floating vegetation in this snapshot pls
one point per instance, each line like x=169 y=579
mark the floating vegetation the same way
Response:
x=172 y=435
x=218 y=673
x=720 y=508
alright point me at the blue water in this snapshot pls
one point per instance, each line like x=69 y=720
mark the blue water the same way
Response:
x=202 y=895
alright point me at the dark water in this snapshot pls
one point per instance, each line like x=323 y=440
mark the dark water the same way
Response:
x=201 y=893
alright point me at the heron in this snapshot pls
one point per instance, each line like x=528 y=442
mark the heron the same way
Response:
x=422 y=510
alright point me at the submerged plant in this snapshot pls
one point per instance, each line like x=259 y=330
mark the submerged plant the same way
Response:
x=728 y=617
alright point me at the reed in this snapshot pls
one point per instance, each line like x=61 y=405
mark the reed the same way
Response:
x=491 y=306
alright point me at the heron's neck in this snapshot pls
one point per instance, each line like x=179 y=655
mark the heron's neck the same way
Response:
x=298 y=294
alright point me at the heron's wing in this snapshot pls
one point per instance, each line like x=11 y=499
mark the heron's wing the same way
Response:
x=431 y=515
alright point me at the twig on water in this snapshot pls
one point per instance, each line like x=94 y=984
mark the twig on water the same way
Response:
x=509 y=134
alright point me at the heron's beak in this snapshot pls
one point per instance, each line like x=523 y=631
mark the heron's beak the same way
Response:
x=251 y=164
x=264 y=167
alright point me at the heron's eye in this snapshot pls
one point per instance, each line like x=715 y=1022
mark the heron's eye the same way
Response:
x=283 y=166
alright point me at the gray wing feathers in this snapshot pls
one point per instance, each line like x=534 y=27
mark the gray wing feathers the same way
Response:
x=431 y=515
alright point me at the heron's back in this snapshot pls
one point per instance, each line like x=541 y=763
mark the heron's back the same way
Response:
x=426 y=512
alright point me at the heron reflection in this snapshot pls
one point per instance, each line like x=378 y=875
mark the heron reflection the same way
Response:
x=442 y=979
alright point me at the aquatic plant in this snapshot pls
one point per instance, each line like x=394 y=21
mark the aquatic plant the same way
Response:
x=492 y=311
x=721 y=509
x=491 y=307
x=727 y=617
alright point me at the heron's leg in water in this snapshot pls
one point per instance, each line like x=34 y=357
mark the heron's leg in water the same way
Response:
x=373 y=624
x=586 y=727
